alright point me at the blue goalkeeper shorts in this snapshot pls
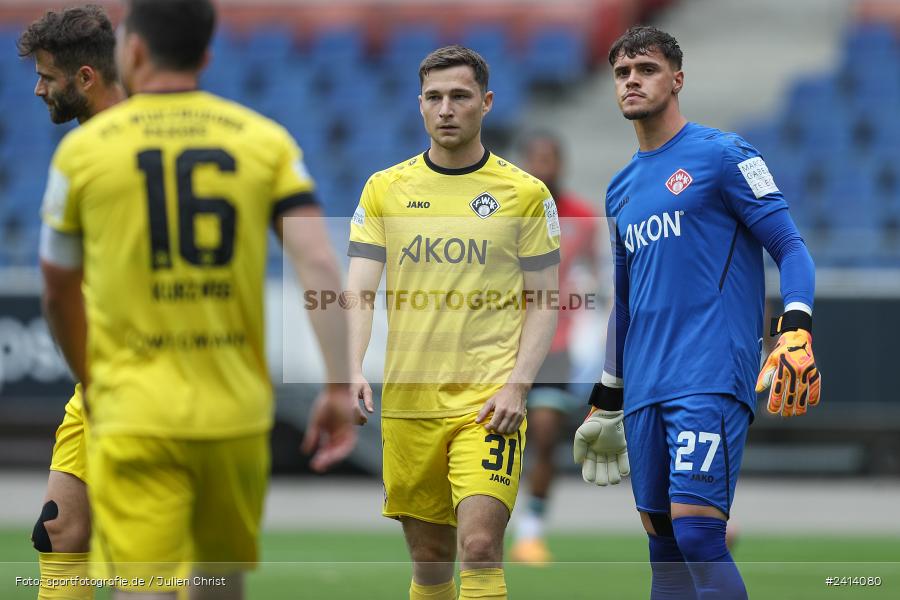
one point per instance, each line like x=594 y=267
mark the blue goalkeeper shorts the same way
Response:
x=687 y=450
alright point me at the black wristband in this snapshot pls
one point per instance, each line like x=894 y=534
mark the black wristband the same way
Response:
x=792 y=320
x=606 y=398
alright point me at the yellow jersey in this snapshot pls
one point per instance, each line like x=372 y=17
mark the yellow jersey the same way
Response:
x=173 y=195
x=455 y=243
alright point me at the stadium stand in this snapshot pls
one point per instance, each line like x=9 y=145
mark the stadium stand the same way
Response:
x=832 y=146
x=347 y=92
x=353 y=110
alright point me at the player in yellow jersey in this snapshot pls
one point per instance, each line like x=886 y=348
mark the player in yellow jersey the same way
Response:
x=160 y=207
x=73 y=51
x=469 y=243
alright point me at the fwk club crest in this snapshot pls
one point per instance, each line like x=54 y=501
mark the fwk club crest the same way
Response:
x=679 y=181
x=485 y=205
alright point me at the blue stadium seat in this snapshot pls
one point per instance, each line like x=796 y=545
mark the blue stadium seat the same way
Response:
x=19 y=82
x=871 y=41
x=354 y=89
x=885 y=132
x=509 y=96
x=8 y=38
x=407 y=45
x=229 y=88
x=555 y=55
x=275 y=42
x=764 y=136
x=816 y=90
x=847 y=196
x=848 y=248
x=352 y=113
x=334 y=48
x=492 y=42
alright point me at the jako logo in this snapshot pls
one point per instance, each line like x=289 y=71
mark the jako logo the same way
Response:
x=418 y=204
x=653 y=228
x=439 y=250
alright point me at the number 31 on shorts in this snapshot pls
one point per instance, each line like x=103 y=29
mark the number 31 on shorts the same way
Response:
x=689 y=440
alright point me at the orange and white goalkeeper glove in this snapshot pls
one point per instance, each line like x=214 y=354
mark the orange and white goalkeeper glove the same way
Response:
x=790 y=371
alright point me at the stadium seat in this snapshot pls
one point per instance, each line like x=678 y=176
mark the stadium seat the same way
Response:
x=509 y=97
x=885 y=132
x=852 y=247
x=873 y=41
x=351 y=111
x=333 y=48
x=492 y=42
x=407 y=45
x=821 y=90
x=275 y=42
x=850 y=202
x=555 y=56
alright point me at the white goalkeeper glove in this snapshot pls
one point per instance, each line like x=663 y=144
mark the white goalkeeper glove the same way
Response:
x=600 y=441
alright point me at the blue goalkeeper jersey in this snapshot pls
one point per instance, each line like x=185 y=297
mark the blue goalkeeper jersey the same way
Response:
x=691 y=270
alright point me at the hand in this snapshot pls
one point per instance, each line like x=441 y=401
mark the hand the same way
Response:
x=331 y=431
x=508 y=406
x=791 y=372
x=361 y=390
x=600 y=447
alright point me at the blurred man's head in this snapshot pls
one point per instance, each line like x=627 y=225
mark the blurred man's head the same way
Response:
x=646 y=66
x=543 y=157
x=73 y=51
x=454 y=97
x=164 y=35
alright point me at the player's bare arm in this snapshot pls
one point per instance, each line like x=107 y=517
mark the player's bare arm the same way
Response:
x=331 y=424
x=508 y=405
x=362 y=281
x=63 y=304
x=306 y=243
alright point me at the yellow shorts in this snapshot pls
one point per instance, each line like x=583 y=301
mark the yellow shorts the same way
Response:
x=69 y=451
x=161 y=506
x=431 y=465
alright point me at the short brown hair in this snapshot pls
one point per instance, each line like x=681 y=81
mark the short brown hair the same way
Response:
x=455 y=56
x=642 y=39
x=76 y=36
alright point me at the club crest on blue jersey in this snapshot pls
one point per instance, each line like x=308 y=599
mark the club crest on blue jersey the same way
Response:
x=679 y=181
x=485 y=205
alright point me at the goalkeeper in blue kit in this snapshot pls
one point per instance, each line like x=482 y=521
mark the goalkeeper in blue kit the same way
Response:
x=689 y=217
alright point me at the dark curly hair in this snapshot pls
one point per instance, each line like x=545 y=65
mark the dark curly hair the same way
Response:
x=641 y=39
x=75 y=37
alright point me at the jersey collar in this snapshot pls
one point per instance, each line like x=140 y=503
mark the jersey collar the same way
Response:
x=461 y=170
x=169 y=92
x=668 y=144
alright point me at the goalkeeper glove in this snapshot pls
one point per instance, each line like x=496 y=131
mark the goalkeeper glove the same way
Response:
x=600 y=441
x=790 y=370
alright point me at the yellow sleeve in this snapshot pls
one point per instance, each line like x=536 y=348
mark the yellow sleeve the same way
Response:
x=61 y=208
x=367 y=227
x=293 y=185
x=539 y=231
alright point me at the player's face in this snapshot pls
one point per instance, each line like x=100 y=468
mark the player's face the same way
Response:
x=542 y=160
x=645 y=84
x=453 y=106
x=60 y=92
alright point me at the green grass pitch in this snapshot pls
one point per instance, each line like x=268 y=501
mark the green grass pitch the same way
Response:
x=373 y=566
